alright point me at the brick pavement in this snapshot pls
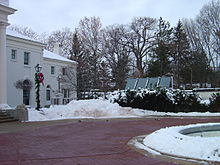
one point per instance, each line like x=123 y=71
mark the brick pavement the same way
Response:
x=94 y=142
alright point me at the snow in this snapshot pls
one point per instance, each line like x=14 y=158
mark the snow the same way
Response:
x=51 y=55
x=5 y=107
x=18 y=35
x=82 y=109
x=170 y=141
x=99 y=108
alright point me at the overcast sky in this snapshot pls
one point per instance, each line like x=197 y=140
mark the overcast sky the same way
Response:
x=49 y=15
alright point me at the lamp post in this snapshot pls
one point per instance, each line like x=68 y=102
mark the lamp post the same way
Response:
x=38 y=79
x=59 y=78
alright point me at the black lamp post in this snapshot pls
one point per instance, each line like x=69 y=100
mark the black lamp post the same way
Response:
x=38 y=80
x=59 y=79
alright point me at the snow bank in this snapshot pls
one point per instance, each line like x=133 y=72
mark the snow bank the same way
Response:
x=81 y=109
x=170 y=141
x=98 y=109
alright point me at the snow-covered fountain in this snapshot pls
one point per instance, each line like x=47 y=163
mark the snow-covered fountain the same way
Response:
x=203 y=131
x=198 y=143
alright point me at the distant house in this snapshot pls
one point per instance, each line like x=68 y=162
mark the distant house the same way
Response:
x=23 y=54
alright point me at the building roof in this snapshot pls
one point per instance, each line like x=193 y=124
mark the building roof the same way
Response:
x=46 y=53
x=21 y=36
x=54 y=56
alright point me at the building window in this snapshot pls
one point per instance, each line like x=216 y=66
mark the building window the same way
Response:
x=56 y=101
x=48 y=94
x=26 y=92
x=26 y=58
x=66 y=95
x=52 y=70
x=13 y=54
x=26 y=96
x=64 y=71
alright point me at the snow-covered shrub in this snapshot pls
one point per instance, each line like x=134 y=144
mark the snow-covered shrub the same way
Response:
x=187 y=102
x=214 y=105
x=163 y=100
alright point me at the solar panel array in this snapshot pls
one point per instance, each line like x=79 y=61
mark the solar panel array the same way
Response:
x=150 y=83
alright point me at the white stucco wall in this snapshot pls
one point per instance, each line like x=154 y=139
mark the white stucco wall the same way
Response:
x=16 y=70
x=52 y=80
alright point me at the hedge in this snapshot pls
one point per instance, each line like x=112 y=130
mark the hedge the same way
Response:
x=165 y=100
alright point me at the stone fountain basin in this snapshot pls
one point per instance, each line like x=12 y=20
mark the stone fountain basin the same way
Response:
x=203 y=131
x=197 y=143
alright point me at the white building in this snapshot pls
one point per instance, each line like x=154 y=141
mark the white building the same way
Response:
x=5 y=11
x=18 y=57
x=23 y=54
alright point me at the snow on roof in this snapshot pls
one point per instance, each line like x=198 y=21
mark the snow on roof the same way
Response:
x=18 y=35
x=54 y=56
x=46 y=54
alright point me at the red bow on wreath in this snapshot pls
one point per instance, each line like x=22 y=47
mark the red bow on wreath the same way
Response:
x=41 y=78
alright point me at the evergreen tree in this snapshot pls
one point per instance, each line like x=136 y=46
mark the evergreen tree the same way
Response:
x=90 y=32
x=181 y=56
x=160 y=63
x=200 y=69
x=83 y=69
x=104 y=77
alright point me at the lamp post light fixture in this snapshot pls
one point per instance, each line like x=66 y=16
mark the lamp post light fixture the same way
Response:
x=39 y=78
x=38 y=68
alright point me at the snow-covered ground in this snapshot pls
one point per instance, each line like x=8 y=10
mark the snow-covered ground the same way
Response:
x=98 y=109
x=172 y=142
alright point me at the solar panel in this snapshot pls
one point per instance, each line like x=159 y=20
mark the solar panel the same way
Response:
x=142 y=83
x=152 y=84
x=131 y=84
x=149 y=83
x=165 y=82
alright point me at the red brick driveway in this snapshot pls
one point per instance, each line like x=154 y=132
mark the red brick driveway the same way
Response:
x=84 y=143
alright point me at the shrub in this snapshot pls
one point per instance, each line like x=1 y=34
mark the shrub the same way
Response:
x=214 y=105
x=163 y=100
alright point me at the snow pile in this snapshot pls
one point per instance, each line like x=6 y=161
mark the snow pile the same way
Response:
x=81 y=109
x=170 y=141
x=99 y=109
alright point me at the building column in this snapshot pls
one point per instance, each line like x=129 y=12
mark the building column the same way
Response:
x=3 y=66
x=4 y=12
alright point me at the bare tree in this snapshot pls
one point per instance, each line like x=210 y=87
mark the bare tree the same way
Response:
x=116 y=54
x=140 y=40
x=209 y=22
x=63 y=38
x=69 y=78
x=193 y=32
